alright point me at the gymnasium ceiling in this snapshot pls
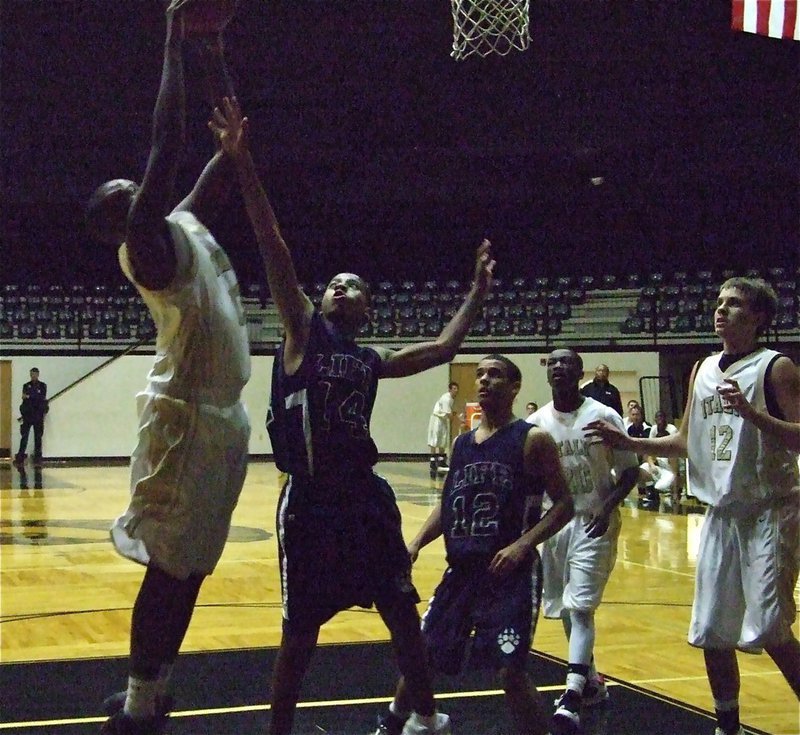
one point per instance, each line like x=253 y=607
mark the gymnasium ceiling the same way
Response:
x=381 y=152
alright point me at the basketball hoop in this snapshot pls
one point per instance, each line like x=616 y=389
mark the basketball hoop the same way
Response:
x=486 y=27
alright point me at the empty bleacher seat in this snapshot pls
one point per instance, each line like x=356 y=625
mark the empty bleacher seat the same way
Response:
x=658 y=324
x=51 y=330
x=121 y=330
x=97 y=330
x=684 y=323
x=786 y=320
x=406 y=312
x=408 y=328
x=551 y=326
x=480 y=328
x=646 y=308
x=503 y=328
x=146 y=331
x=537 y=311
x=429 y=311
x=527 y=327
x=632 y=325
x=508 y=296
x=576 y=295
x=385 y=287
x=690 y=306
x=27 y=330
x=705 y=322
x=493 y=311
x=531 y=296
x=561 y=311
x=432 y=327
x=386 y=328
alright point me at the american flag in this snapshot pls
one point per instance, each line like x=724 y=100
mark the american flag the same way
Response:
x=776 y=18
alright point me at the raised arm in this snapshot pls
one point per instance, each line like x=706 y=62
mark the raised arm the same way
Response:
x=419 y=357
x=150 y=247
x=214 y=185
x=785 y=381
x=294 y=307
x=674 y=445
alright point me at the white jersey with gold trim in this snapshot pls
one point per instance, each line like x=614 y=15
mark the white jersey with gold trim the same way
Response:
x=202 y=350
x=731 y=462
x=587 y=463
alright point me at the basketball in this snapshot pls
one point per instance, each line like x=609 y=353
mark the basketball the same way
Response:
x=204 y=17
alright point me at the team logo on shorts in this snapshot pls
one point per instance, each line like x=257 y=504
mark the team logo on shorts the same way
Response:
x=508 y=640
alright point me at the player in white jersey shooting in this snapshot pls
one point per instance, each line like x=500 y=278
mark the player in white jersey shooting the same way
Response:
x=189 y=466
x=741 y=433
x=578 y=560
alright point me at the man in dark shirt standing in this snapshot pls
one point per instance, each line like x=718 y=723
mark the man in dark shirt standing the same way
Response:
x=601 y=390
x=33 y=409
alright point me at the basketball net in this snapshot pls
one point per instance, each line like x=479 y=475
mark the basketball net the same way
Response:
x=486 y=27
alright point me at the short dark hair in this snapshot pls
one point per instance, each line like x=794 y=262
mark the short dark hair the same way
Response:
x=760 y=294
x=578 y=358
x=451 y=384
x=513 y=372
x=34 y=370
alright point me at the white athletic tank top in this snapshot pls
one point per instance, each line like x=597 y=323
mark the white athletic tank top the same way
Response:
x=202 y=350
x=730 y=460
x=587 y=463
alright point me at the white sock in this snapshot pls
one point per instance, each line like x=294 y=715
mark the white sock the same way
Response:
x=576 y=682
x=581 y=637
x=425 y=720
x=397 y=712
x=140 y=699
x=165 y=679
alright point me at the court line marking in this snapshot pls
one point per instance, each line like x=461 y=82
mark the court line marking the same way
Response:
x=317 y=704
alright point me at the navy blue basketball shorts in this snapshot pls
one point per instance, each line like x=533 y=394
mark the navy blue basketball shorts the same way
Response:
x=491 y=621
x=338 y=550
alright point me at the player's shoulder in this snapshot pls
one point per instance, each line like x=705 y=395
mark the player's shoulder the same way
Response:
x=592 y=405
x=541 y=415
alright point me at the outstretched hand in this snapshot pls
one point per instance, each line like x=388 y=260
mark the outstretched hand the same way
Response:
x=609 y=433
x=229 y=127
x=484 y=267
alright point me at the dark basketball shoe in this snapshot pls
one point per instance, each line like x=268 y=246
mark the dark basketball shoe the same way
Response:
x=122 y=724
x=389 y=724
x=115 y=703
x=567 y=719
x=595 y=692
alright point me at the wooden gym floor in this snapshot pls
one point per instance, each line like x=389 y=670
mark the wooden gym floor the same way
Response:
x=66 y=597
